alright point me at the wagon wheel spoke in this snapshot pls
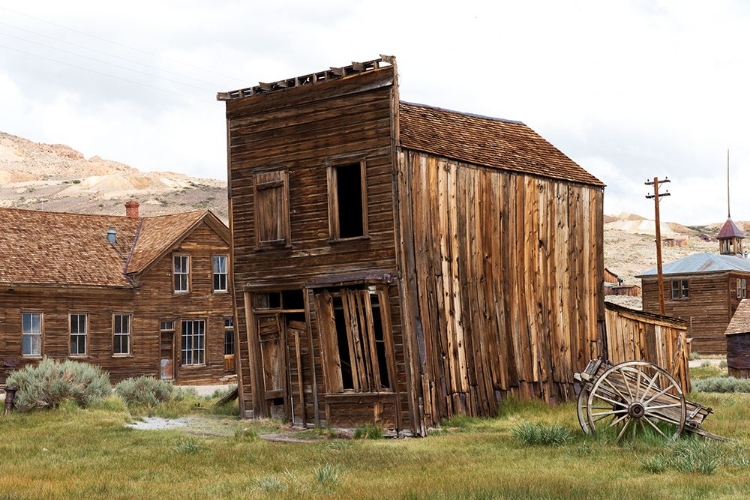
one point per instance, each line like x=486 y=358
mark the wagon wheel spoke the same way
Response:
x=654 y=426
x=622 y=431
x=613 y=401
x=619 y=393
x=652 y=381
x=627 y=385
x=660 y=393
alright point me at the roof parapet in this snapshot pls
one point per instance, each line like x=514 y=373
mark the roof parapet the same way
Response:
x=322 y=76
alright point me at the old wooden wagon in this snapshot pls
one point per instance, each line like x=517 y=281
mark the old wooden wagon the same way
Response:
x=636 y=397
x=399 y=263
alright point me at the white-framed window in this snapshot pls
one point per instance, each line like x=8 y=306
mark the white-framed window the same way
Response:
x=32 y=334
x=121 y=334
x=181 y=273
x=220 y=273
x=193 y=342
x=78 y=334
x=680 y=290
x=741 y=288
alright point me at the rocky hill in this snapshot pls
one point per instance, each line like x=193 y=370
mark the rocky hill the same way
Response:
x=57 y=177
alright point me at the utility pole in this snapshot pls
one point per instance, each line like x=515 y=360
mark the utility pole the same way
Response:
x=657 y=221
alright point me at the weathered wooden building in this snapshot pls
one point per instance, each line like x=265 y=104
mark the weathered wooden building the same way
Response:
x=738 y=341
x=634 y=335
x=136 y=296
x=399 y=263
x=702 y=289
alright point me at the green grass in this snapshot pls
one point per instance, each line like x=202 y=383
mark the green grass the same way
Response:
x=90 y=453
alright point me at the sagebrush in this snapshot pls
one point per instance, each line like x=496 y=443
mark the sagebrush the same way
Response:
x=51 y=382
x=144 y=391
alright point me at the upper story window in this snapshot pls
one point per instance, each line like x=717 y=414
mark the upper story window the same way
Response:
x=121 y=334
x=741 y=288
x=32 y=334
x=271 y=193
x=680 y=290
x=78 y=334
x=347 y=201
x=181 y=273
x=220 y=273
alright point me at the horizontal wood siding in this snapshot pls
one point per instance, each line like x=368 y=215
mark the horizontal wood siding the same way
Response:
x=634 y=336
x=156 y=301
x=706 y=311
x=509 y=273
x=149 y=303
x=304 y=131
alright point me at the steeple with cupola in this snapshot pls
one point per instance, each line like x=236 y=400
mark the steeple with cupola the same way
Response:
x=730 y=237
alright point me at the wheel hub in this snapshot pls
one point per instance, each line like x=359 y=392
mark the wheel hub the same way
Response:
x=636 y=410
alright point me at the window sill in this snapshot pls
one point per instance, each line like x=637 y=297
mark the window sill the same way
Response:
x=78 y=356
x=122 y=355
x=31 y=356
x=347 y=240
x=220 y=292
x=192 y=367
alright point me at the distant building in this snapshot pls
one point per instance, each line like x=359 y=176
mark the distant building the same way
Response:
x=134 y=295
x=703 y=289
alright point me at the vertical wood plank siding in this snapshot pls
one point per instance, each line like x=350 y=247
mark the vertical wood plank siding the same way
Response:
x=509 y=276
x=635 y=336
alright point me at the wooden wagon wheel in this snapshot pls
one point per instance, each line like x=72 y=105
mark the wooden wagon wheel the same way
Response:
x=583 y=408
x=634 y=396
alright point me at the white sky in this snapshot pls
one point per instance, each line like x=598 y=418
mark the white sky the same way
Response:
x=628 y=89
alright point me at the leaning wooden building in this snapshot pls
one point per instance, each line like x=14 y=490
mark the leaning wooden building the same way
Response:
x=398 y=263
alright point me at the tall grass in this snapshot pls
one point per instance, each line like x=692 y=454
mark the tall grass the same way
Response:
x=89 y=453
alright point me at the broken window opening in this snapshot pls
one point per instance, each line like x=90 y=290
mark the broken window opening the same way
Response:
x=356 y=347
x=347 y=201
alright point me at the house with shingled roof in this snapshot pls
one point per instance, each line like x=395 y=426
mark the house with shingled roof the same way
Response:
x=398 y=263
x=134 y=295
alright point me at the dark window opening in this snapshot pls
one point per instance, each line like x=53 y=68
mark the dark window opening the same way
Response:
x=342 y=339
x=274 y=300
x=293 y=299
x=349 y=197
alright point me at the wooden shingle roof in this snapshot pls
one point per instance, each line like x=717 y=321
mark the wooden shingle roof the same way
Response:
x=490 y=142
x=64 y=249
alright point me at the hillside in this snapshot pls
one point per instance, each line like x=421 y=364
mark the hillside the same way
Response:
x=59 y=178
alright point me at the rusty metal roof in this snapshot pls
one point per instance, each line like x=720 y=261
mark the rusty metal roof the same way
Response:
x=740 y=322
x=729 y=230
x=490 y=142
x=65 y=249
x=702 y=263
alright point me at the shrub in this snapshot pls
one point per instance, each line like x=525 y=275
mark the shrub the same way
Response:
x=369 y=431
x=327 y=476
x=51 y=382
x=144 y=391
x=541 y=434
x=187 y=447
x=722 y=384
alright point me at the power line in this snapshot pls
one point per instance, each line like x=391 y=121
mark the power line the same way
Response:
x=215 y=85
x=108 y=75
x=122 y=45
x=104 y=62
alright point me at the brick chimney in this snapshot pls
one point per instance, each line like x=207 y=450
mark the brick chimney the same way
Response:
x=131 y=209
